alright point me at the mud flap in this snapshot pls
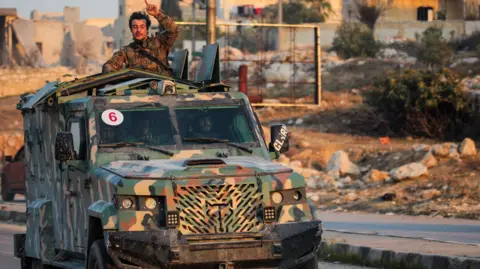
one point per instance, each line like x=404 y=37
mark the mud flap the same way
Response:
x=18 y=245
x=39 y=241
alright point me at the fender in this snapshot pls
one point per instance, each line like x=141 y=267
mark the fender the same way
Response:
x=39 y=241
x=106 y=212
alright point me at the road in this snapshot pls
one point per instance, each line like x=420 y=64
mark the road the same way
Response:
x=8 y=261
x=437 y=229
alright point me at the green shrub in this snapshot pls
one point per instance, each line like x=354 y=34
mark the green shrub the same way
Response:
x=433 y=49
x=354 y=40
x=296 y=12
x=423 y=103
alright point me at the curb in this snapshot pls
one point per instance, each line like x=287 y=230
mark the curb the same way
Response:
x=13 y=216
x=367 y=256
x=352 y=254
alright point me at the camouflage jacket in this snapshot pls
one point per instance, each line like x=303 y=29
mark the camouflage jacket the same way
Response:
x=157 y=46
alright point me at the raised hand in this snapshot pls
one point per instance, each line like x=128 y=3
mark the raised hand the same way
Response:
x=152 y=9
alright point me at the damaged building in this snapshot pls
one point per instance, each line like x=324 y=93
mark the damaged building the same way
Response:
x=53 y=39
x=16 y=45
x=419 y=10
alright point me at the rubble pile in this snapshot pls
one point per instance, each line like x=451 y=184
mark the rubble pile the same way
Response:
x=400 y=182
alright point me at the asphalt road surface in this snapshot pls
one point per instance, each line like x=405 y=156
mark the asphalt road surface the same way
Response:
x=8 y=261
x=431 y=228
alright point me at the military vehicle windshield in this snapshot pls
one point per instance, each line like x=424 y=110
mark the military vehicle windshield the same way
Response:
x=142 y=126
x=154 y=126
x=224 y=122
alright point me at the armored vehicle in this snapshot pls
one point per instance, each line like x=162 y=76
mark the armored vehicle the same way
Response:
x=130 y=169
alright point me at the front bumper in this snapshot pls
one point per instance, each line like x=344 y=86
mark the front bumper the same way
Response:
x=277 y=246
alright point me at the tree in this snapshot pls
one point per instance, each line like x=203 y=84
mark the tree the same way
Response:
x=172 y=8
x=299 y=11
x=353 y=39
x=433 y=49
x=368 y=14
x=322 y=6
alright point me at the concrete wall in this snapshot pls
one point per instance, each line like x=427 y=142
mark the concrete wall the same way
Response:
x=89 y=41
x=71 y=14
x=99 y=22
x=337 y=15
x=15 y=81
x=37 y=15
x=50 y=34
x=387 y=30
x=406 y=10
x=472 y=27
x=383 y=31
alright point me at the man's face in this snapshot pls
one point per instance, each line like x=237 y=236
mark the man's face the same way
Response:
x=139 y=30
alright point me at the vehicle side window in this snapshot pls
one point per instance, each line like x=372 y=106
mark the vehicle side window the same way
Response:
x=77 y=128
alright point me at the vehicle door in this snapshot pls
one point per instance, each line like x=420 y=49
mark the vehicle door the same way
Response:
x=74 y=182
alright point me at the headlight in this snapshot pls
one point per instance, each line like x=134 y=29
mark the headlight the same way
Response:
x=287 y=197
x=150 y=203
x=277 y=197
x=127 y=203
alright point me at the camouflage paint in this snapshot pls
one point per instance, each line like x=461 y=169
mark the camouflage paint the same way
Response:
x=106 y=212
x=39 y=230
x=208 y=198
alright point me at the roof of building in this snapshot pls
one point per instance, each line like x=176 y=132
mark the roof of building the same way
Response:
x=8 y=12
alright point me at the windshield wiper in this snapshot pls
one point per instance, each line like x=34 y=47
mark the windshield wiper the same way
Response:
x=217 y=140
x=120 y=144
x=136 y=144
x=164 y=151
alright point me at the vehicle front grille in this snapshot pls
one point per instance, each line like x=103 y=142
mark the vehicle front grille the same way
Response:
x=219 y=208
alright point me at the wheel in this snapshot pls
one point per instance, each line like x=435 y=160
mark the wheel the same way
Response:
x=36 y=264
x=6 y=195
x=98 y=257
x=310 y=264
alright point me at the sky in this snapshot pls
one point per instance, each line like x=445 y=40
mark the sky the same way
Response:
x=88 y=8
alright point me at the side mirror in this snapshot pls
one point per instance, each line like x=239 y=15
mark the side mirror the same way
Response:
x=64 y=148
x=8 y=159
x=279 y=139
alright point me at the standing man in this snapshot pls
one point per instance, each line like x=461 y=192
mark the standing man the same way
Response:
x=149 y=53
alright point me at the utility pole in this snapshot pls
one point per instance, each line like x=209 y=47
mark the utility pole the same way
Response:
x=193 y=26
x=280 y=11
x=280 y=21
x=211 y=21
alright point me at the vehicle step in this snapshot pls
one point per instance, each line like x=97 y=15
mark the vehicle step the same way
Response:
x=70 y=264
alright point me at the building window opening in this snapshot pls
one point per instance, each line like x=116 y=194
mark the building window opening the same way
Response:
x=425 y=14
x=40 y=46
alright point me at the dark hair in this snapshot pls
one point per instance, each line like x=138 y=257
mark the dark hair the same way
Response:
x=139 y=16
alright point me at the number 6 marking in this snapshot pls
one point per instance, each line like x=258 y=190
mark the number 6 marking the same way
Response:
x=112 y=117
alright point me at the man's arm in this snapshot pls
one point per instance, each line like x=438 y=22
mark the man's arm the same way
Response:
x=116 y=62
x=170 y=32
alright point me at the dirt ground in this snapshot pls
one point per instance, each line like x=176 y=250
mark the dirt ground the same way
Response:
x=452 y=188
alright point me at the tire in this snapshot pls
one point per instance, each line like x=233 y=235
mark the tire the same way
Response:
x=31 y=263
x=98 y=257
x=310 y=264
